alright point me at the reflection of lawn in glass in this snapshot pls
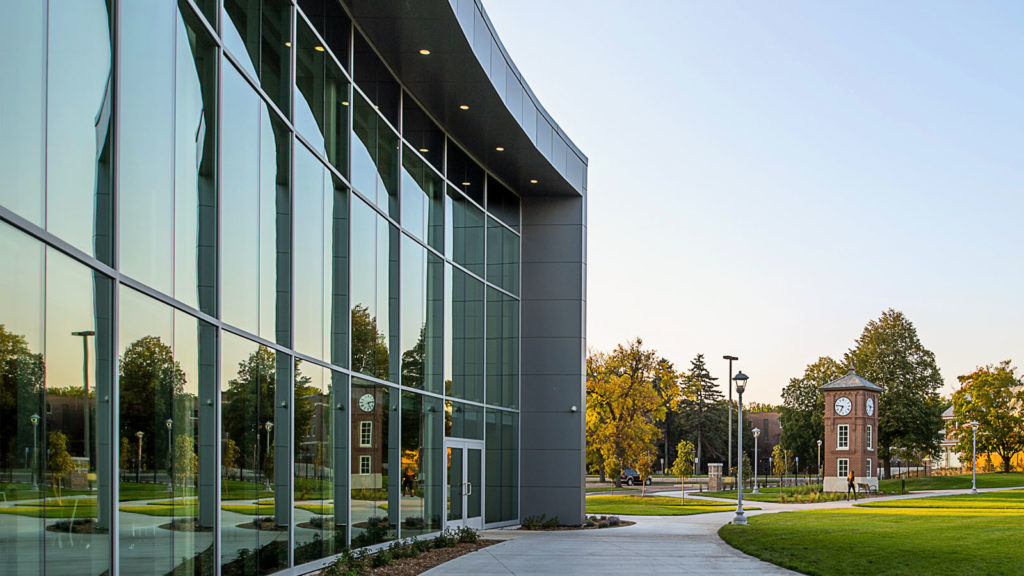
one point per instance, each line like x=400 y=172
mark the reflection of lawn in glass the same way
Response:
x=317 y=508
x=653 y=506
x=261 y=509
x=68 y=508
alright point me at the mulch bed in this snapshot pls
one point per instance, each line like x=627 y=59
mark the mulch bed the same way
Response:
x=426 y=560
x=186 y=525
x=79 y=526
x=557 y=528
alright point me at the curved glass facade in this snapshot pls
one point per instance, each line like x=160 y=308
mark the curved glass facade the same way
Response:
x=258 y=305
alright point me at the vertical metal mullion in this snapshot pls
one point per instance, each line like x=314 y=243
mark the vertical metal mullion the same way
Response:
x=291 y=293
x=115 y=388
x=217 y=301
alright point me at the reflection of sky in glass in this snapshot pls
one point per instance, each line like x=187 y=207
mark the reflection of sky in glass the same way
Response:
x=141 y=316
x=308 y=288
x=413 y=293
x=78 y=60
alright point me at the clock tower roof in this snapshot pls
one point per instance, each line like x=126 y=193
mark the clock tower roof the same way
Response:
x=851 y=381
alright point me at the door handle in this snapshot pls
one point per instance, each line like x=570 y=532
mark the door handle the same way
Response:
x=469 y=487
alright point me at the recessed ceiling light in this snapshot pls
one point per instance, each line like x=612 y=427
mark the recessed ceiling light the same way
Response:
x=344 y=102
x=424 y=51
x=500 y=148
x=288 y=43
x=424 y=150
x=465 y=183
x=463 y=107
x=533 y=181
x=318 y=48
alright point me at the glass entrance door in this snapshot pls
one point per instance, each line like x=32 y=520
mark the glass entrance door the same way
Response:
x=465 y=482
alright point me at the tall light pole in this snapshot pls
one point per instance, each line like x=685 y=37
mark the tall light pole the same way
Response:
x=771 y=469
x=170 y=451
x=729 y=419
x=796 y=472
x=268 y=426
x=757 y=432
x=741 y=383
x=819 y=461
x=138 y=465
x=974 y=458
x=34 y=419
x=85 y=382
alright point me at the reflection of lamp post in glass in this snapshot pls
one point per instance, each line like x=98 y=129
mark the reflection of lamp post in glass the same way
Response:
x=819 y=461
x=757 y=432
x=974 y=458
x=741 y=383
x=170 y=451
x=268 y=426
x=796 y=472
x=85 y=383
x=34 y=419
x=138 y=464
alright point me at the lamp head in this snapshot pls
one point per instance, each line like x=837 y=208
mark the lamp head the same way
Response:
x=974 y=424
x=140 y=434
x=757 y=432
x=819 y=443
x=169 y=423
x=741 y=381
x=268 y=425
x=84 y=333
x=34 y=419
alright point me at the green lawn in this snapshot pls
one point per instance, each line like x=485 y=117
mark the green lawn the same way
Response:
x=68 y=508
x=931 y=537
x=997 y=480
x=788 y=494
x=652 y=506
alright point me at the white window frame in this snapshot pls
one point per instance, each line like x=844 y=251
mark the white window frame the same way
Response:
x=843 y=467
x=366 y=434
x=869 y=439
x=365 y=463
x=840 y=436
x=871 y=473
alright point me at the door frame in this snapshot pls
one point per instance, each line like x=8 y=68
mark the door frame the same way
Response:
x=465 y=444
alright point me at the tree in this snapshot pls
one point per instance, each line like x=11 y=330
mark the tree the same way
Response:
x=230 y=454
x=701 y=400
x=683 y=466
x=994 y=397
x=748 y=470
x=780 y=460
x=126 y=456
x=186 y=462
x=623 y=407
x=369 y=345
x=58 y=461
x=22 y=375
x=803 y=407
x=890 y=354
x=152 y=386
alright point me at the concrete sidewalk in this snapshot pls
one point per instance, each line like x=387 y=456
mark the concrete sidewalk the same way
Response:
x=654 y=545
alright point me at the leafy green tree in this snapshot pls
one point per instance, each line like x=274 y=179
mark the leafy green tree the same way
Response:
x=152 y=386
x=748 y=470
x=58 y=461
x=780 y=460
x=993 y=396
x=369 y=345
x=703 y=410
x=230 y=454
x=186 y=462
x=803 y=408
x=22 y=376
x=890 y=354
x=683 y=465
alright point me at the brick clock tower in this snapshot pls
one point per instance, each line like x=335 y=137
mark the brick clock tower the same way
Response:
x=851 y=431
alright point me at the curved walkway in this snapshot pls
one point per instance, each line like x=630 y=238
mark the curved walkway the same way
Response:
x=654 y=545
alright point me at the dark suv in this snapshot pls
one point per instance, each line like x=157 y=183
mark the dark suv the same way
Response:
x=630 y=477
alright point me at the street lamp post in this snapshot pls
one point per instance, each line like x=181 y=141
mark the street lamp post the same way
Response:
x=34 y=419
x=85 y=382
x=741 y=383
x=268 y=426
x=757 y=432
x=170 y=451
x=138 y=464
x=771 y=468
x=819 y=461
x=729 y=419
x=974 y=458
x=796 y=472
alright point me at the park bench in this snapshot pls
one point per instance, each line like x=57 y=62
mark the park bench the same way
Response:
x=865 y=488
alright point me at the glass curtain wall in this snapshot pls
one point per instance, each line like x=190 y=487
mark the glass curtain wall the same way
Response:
x=301 y=296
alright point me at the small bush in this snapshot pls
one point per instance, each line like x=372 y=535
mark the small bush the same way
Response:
x=541 y=522
x=466 y=534
x=613 y=521
x=446 y=539
x=381 y=558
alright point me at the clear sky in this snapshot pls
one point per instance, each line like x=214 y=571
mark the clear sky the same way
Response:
x=767 y=177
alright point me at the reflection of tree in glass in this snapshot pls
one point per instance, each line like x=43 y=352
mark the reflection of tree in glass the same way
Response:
x=369 y=347
x=186 y=462
x=152 y=391
x=229 y=456
x=413 y=361
x=58 y=461
x=22 y=375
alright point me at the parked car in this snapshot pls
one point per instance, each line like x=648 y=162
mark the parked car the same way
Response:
x=630 y=477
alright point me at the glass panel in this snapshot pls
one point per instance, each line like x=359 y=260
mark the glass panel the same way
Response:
x=502 y=349
x=502 y=461
x=309 y=254
x=455 y=463
x=422 y=200
x=464 y=232
x=502 y=203
x=374 y=158
x=463 y=420
x=375 y=484
x=369 y=347
x=474 y=484
x=309 y=84
x=333 y=25
x=414 y=312
x=502 y=256
x=262 y=45
x=319 y=530
x=78 y=125
x=53 y=432
x=464 y=173
x=275 y=229
x=336 y=99
x=464 y=336
x=433 y=361
x=422 y=465
x=254 y=492
x=146 y=140
x=388 y=291
x=375 y=80
x=167 y=442
x=22 y=101
x=420 y=131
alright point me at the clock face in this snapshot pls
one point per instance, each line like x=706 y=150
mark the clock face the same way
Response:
x=870 y=405
x=843 y=405
x=366 y=402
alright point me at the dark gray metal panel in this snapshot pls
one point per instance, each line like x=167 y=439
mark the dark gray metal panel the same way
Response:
x=549 y=211
x=555 y=243
x=553 y=501
x=553 y=356
x=553 y=468
x=547 y=428
x=552 y=390
x=554 y=318
x=552 y=281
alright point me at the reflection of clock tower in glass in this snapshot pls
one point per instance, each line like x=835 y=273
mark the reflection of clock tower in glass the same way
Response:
x=850 y=438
